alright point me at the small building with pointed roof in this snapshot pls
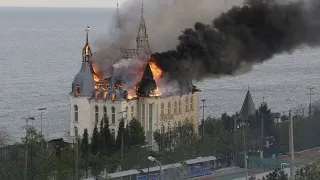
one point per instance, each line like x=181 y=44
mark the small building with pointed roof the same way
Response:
x=248 y=107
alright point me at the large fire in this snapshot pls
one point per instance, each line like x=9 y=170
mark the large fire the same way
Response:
x=157 y=75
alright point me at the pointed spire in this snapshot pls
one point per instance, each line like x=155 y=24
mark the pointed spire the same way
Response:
x=248 y=107
x=142 y=38
x=86 y=52
x=148 y=84
x=118 y=16
x=87 y=30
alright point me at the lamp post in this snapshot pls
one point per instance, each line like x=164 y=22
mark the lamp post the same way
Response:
x=26 y=150
x=41 y=109
x=150 y=158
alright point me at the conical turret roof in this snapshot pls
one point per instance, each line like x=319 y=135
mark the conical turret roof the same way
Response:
x=147 y=84
x=248 y=107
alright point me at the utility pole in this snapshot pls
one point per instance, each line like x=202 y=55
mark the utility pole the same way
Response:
x=203 y=101
x=291 y=144
x=26 y=150
x=77 y=154
x=310 y=94
x=234 y=139
x=41 y=109
x=262 y=136
x=244 y=150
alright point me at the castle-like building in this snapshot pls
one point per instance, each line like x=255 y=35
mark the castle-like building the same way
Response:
x=93 y=99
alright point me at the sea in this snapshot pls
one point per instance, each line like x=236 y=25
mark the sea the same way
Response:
x=40 y=53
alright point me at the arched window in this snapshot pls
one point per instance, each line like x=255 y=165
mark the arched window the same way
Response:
x=127 y=111
x=187 y=105
x=104 y=112
x=175 y=107
x=96 y=110
x=162 y=109
x=113 y=132
x=113 y=119
x=179 y=107
x=169 y=108
x=191 y=104
x=132 y=112
x=76 y=112
x=75 y=131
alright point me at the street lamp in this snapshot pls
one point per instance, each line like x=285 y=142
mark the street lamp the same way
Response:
x=150 y=158
x=26 y=150
x=41 y=109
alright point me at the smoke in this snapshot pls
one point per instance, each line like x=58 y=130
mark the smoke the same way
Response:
x=220 y=43
x=164 y=21
x=242 y=37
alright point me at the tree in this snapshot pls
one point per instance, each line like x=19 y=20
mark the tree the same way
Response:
x=121 y=131
x=4 y=136
x=84 y=148
x=95 y=141
x=108 y=138
x=277 y=175
x=136 y=133
x=45 y=158
x=228 y=122
x=102 y=141
x=309 y=172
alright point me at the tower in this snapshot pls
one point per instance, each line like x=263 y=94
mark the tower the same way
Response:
x=86 y=51
x=142 y=38
x=118 y=24
x=83 y=83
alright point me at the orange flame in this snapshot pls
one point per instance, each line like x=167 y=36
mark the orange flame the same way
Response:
x=157 y=74
x=156 y=70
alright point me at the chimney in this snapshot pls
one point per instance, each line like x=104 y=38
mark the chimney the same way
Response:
x=112 y=78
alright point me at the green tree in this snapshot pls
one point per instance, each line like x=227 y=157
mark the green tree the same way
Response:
x=121 y=131
x=95 y=141
x=84 y=148
x=45 y=158
x=228 y=122
x=277 y=175
x=309 y=172
x=136 y=133
x=102 y=140
x=108 y=137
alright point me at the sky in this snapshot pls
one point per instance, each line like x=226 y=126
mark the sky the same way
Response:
x=59 y=3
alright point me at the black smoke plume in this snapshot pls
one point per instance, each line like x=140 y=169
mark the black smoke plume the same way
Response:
x=242 y=37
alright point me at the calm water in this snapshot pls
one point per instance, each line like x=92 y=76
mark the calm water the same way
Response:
x=41 y=53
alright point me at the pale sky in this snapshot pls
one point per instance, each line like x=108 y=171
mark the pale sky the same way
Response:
x=60 y=3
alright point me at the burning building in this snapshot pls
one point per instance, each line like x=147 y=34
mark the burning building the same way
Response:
x=94 y=98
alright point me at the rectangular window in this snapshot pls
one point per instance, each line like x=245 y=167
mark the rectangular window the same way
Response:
x=150 y=116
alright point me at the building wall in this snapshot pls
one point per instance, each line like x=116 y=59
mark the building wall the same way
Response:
x=154 y=113
x=84 y=115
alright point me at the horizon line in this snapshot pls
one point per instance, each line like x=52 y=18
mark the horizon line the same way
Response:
x=79 y=7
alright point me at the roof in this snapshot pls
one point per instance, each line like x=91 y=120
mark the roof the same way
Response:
x=124 y=173
x=147 y=84
x=84 y=79
x=248 y=107
x=157 y=168
x=200 y=160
